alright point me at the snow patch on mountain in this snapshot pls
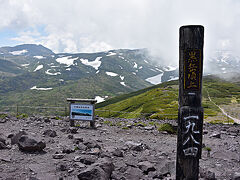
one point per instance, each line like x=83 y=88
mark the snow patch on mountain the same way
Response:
x=99 y=99
x=135 y=65
x=68 y=69
x=25 y=65
x=155 y=79
x=19 y=52
x=95 y=64
x=68 y=60
x=111 y=74
x=38 y=68
x=146 y=61
x=173 y=78
x=39 y=57
x=123 y=83
x=52 y=74
x=40 y=89
x=111 y=54
x=169 y=68
x=122 y=78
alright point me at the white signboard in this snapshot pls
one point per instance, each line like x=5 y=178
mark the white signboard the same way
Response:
x=81 y=112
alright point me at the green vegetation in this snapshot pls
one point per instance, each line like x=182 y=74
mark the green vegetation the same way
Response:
x=22 y=116
x=207 y=148
x=2 y=116
x=161 y=101
x=168 y=128
x=221 y=121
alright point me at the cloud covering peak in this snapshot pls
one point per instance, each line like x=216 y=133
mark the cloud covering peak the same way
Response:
x=93 y=25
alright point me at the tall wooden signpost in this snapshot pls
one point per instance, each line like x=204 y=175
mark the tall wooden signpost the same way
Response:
x=190 y=112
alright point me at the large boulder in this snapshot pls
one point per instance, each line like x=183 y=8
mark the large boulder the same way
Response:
x=101 y=170
x=27 y=144
x=15 y=138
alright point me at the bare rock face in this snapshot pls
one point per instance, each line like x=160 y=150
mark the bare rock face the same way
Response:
x=27 y=144
x=101 y=170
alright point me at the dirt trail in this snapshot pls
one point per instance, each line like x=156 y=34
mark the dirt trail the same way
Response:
x=233 y=118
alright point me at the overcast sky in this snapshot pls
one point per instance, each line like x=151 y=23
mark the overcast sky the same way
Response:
x=99 y=25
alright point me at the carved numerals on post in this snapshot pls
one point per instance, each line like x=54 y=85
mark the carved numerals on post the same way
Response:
x=191 y=135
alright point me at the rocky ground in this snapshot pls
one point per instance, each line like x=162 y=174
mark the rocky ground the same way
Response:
x=47 y=148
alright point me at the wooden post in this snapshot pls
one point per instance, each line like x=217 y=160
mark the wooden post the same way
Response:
x=190 y=112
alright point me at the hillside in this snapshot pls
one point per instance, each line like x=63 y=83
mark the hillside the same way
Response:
x=161 y=101
x=34 y=75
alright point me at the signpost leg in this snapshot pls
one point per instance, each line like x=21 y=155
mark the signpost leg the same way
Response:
x=190 y=112
x=92 y=124
x=72 y=123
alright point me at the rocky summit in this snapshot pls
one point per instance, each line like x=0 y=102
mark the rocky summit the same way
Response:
x=46 y=148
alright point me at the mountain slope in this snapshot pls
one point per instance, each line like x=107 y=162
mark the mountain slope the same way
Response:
x=26 y=50
x=82 y=75
x=161 y=101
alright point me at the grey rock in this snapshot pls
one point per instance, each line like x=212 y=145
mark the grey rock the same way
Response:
x=46 y=120
x=129 y=126
x=70 y=136
x=5 y=158
x=215 y=135
x=10 y=135
x=68 y=150
x=82 y=147
x=206 y=174
x=3 y=144
x=226 y=155
x=146 y=167
x=50 y=133
x=133 y=173
x=27 y=144
x=62 y=167
x=134 y=146
x=85 y=159
x=15 y=138
x=117 y=152
x=72 y=130
x=236 y=176
x=77 y=139
x=101 y=170
x=149 y=128
x=58 y=156
x=95 y=151
x=32 y=178
x=3 y=120
x=92 y=144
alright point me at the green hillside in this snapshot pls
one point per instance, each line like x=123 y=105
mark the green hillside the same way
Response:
x=161 y=101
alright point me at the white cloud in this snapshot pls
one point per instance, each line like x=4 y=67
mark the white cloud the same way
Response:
x=88 y=26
